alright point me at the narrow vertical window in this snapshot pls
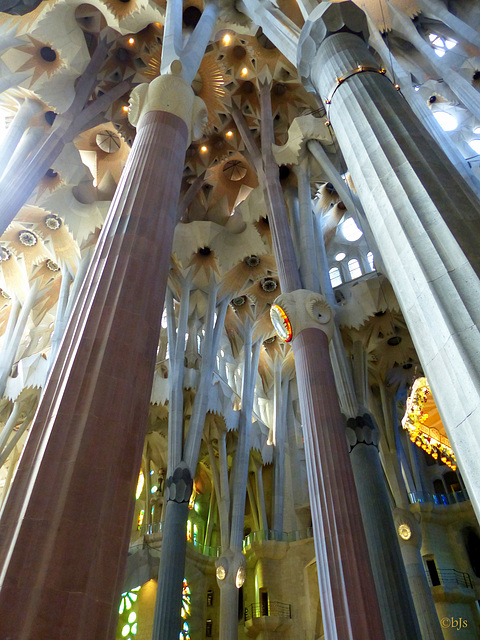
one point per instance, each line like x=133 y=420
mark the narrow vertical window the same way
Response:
x=371 y=260
x=335 y=277
x=354 y=268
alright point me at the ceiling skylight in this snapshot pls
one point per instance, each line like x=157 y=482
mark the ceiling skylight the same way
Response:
x=441 y=45
x=350 y=230
x=446 y=120
x=475 y=145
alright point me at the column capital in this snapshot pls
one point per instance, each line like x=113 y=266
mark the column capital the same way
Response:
x=362 y=430
x=179 y=485
x=325 y=20
x=170 y=93
x=302 y=309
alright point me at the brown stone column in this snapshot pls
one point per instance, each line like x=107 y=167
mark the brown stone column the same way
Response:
x=66 y=525
x=349 y=602
x=347 y=592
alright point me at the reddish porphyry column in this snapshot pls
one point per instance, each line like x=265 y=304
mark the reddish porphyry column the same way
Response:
x=349 y=602
x=349 y=594
x=66 y=526
x=350 y=609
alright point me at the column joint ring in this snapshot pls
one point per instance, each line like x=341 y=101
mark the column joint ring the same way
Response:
x=360 y=69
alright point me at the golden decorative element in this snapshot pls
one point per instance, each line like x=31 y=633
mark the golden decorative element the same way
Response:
x=122 y=9
x=17 y=240
x=50 y=182
x=242 y=273
x=424 y=425
x=404 y=531
x=37 y=53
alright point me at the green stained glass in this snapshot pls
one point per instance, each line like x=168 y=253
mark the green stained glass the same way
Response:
x=186 y=604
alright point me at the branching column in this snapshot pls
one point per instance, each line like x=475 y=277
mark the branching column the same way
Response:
x=425 y=218
x=349 y=603
x=32 y=161
x=66 y=526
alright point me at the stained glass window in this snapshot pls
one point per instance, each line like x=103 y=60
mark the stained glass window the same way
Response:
x=127 y=621
x=186 y=611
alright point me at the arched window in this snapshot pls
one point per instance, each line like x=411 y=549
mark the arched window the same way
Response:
x=354 y=268
x=371 y=260
x=335 y=277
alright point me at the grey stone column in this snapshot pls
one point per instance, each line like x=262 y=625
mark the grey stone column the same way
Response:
x=425 y=218
x=393 y=592
x=167 y=620
x=410 y=542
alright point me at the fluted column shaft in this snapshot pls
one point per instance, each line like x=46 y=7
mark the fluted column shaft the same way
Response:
x=347 y=593
x=66 y=525
x=415 y=570
x=17 y=129
x=426 y=221
x=228 y=611
x=396 y=604
x=167 y=621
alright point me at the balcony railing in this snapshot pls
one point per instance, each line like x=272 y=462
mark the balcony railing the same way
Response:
x=255 y=536
x=440 y=498
x=278 y=536
x=452 y=578
x=272 y=609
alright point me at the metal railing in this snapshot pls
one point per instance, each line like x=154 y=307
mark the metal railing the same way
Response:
x=148 y=529
x=277 y=536
x=276 y=609
x=440 y=498
x=255 y=536
x=452 y=578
